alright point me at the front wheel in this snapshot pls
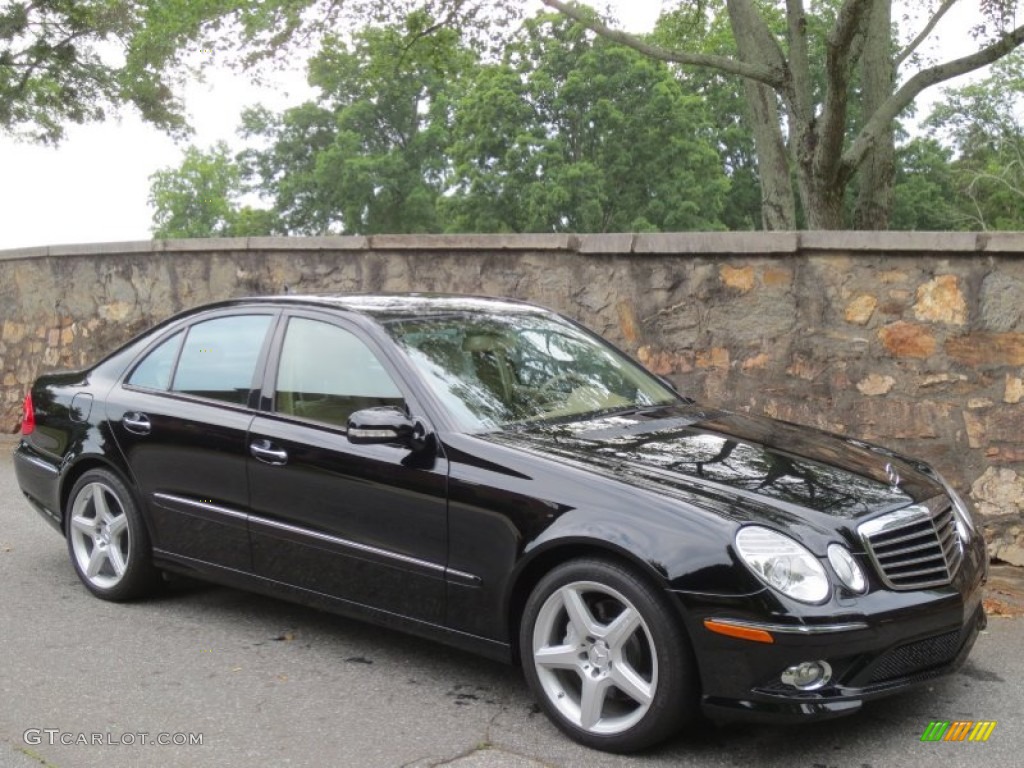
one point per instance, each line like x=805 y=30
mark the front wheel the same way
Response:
x=107 y=539
x=606 y=658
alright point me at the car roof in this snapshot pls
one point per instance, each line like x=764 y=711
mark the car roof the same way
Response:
x=386 y=305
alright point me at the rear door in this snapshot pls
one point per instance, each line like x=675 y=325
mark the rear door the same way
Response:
x=181 y=417
x=365 y=523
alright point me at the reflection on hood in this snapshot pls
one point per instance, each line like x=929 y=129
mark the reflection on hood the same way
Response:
x=687 y=446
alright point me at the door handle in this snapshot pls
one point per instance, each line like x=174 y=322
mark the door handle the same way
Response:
x=137 y=423
x=264 y=450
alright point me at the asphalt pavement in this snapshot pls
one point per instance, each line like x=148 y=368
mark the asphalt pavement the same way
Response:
x=260 y=682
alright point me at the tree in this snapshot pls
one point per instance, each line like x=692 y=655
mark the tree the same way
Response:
x=813 y=144
x=410 y=132
x=55 y=67
x=201 y=199
x=984 y=122
x=723 y=99
x=370 y=155
x=573 y=133
x=925 y=195
x=76 y=61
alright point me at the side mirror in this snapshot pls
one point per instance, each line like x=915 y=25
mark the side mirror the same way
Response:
x=385 y=424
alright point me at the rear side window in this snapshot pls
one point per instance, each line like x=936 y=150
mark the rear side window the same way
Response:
x=156 y=368
x=218 y=359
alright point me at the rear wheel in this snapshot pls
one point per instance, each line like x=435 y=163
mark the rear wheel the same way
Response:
x=106 y=537
x=606 y=658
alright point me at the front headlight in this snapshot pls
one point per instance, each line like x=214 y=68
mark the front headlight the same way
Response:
x=783 y=564
x=847 y=569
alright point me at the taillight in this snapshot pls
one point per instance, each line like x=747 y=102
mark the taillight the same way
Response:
x=28 y=422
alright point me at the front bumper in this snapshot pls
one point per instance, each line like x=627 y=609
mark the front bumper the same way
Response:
x=878 y=644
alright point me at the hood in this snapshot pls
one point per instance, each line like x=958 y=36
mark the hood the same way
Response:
x=760 y=466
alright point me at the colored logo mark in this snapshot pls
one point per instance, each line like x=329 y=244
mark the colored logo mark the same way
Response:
x=958 y=730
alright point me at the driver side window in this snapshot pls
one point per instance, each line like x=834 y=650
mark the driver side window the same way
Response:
x=326 y=373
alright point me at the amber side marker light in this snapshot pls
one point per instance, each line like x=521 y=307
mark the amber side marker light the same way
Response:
x=737 y=630
x=28 y=422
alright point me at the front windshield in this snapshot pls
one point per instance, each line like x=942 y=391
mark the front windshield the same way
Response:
x=494 y=371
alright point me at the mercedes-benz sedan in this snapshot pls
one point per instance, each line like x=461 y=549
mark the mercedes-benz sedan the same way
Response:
x=490 y=474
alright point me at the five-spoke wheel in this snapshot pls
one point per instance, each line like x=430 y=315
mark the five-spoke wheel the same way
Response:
x=106 y=538
x=604 y=656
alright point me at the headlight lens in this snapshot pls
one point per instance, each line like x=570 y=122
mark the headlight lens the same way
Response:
x=782 y=564
x=847 y=568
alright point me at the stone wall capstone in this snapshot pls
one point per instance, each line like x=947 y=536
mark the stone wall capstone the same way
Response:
x=911 y=340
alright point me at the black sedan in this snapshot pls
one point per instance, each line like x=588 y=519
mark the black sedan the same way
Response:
x=489 y=474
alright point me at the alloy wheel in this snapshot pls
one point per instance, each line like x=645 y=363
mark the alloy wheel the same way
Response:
x=100 y=535
x=594 y=657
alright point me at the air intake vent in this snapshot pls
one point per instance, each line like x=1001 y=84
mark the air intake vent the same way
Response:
x=915 y=547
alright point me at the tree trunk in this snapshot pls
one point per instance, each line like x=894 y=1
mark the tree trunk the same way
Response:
x=820 y=201
x=778 y=205
x=823 y=207
x=875 y=176
x=757 y=46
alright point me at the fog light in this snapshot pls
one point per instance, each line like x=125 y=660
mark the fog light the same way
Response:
x=808 y=676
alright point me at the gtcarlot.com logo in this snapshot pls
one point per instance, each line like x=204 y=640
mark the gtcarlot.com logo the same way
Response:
x=958 y=730
x=53 y=736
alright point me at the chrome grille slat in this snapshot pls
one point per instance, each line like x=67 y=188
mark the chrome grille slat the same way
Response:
x=885 y=542
x=904 y=550
x=921 y=572
x=947 y=548
x=915 y=547
x=915 y=560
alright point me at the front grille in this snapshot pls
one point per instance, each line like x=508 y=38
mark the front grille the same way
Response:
x=915 y=547
x=914 y=657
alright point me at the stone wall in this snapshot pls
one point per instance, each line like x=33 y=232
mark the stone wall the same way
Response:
x=912 y=340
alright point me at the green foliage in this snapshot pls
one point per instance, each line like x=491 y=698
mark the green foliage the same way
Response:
x=418 y=127
x=573 y=133
x=983 y=122
x=76 y=61
x=704 y=28
x=369 y=156
x=412 y=132
x=201 y=199
x=924 y=192
x=55 y=68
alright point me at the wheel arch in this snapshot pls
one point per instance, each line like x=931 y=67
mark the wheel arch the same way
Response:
x=84 y=464
x=545 y=559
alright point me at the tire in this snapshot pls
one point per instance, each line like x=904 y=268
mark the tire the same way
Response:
x=606 y=657
x=107 y=540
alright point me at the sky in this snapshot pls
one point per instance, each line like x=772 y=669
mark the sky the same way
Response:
x=94 y=186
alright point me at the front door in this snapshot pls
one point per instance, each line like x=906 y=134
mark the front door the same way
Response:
x=366 y=524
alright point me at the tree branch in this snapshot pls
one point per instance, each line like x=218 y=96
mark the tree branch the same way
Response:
x=799 y=63
x=838 y=68
x=848 y=23
x=916 y=42
x=918 y=83
x=771 y=77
